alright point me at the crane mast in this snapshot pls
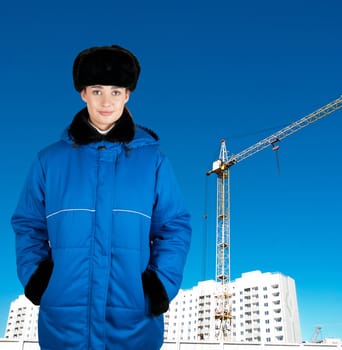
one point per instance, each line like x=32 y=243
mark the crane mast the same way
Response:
x=221 y=167
x=223 y=314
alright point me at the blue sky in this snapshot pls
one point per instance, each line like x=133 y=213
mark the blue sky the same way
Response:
x=238 y=70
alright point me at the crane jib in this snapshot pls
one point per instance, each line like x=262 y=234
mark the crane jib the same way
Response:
x=286 y=131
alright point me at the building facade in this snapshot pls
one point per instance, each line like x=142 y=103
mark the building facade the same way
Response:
x=263 y=309
x=22 y=323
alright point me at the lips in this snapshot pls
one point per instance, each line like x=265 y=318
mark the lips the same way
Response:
x=106 y=113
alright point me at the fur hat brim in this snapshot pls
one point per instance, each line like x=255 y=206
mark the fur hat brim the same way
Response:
x=106 y=65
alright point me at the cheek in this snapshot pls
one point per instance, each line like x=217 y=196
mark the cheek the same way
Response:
x=121 y=104
x=93 y=104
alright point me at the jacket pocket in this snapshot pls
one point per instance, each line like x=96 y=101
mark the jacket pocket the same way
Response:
x=159 y=302
x=39 y=281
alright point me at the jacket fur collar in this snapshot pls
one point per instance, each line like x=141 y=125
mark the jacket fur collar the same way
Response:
x=83 y=133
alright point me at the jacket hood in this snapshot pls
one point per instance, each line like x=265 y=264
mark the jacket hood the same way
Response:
x=81 y=132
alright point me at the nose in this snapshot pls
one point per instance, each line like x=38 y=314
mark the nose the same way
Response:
x=106 y=100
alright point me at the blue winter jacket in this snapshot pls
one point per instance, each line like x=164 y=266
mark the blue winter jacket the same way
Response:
x=101 y=214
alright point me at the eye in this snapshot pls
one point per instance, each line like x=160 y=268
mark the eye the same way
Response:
x=96 y=92
x=116 y=92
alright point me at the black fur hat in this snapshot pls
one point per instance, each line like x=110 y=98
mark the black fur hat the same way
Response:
x=106 y=65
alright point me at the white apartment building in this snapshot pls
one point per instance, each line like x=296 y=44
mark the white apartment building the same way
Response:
x=263 y=308
x=22 y=323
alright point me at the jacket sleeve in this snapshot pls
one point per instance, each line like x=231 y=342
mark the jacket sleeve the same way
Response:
x=34 y=265
x=170 y=231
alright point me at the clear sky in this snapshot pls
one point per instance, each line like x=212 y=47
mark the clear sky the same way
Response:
x=238 y=70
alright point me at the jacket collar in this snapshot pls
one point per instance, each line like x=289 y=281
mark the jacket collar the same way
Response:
x=82 y=133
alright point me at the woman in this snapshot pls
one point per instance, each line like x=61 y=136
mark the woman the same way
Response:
x=102 y=234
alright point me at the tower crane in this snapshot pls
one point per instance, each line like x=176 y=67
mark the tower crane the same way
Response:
x=221 y=167
x=315 y=336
